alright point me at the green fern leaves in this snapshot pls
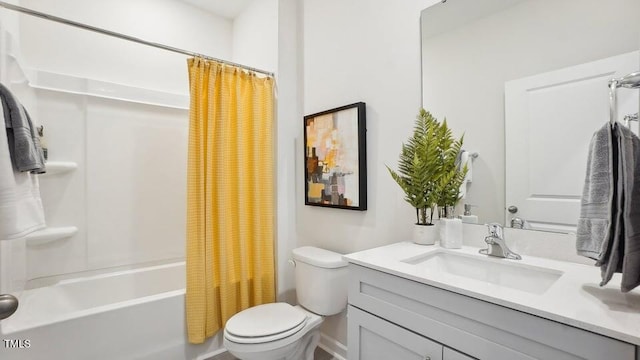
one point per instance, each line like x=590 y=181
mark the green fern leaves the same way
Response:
x=428 y=168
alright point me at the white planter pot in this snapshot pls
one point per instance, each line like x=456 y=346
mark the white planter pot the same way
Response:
x=425 y=234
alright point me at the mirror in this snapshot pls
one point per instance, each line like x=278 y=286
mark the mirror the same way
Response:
x=526 y=81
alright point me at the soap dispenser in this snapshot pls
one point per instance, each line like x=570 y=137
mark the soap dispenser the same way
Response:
x=467 y=217
x=450 y=230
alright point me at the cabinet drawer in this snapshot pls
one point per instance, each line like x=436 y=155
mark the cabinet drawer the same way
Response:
x=378 y=339
x=475 y=327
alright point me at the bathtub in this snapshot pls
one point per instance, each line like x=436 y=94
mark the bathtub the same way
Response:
x=130 y=314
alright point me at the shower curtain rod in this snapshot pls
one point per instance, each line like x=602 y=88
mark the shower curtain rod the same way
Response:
x=123 y=36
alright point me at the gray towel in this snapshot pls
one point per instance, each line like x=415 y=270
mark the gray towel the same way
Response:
x=621 y=244
x=24 y=144
x=630 y=252
x=594 y=224
x=611 y=260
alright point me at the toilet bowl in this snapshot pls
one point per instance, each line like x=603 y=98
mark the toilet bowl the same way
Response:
x=281 y=331
x=280 y=340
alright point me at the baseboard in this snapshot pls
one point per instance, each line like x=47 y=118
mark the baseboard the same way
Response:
x=333 y=347
x=211 y=354
x=327 y=343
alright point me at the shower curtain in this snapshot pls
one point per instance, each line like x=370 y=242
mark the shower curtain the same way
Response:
x=230 y=195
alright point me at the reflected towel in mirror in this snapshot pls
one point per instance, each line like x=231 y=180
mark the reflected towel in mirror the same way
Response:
x=466 y=158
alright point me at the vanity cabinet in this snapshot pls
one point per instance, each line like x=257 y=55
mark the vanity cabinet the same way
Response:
x=380 y=339
x=390 y=317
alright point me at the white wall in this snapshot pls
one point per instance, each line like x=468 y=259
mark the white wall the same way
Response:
x=520 y=41
x=255 y=35
x=361 y=50
x=288 y=79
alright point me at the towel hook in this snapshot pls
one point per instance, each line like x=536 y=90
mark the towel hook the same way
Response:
x=630 y=81
x=630 y=117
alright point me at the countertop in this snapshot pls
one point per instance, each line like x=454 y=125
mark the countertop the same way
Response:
x=574 y=299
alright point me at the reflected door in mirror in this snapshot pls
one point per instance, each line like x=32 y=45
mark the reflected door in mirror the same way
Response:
x=549 y=121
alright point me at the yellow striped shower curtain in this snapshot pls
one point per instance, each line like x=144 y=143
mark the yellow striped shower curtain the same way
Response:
x=230 y=195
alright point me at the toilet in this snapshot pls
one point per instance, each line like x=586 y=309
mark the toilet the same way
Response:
x=282 y=331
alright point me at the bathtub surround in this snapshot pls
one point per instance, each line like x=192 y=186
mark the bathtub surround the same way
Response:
x=110 y=315
x=230 y=195
x=126 y=197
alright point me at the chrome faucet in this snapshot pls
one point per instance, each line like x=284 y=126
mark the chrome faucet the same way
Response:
x=496 y=246
x=519 y=223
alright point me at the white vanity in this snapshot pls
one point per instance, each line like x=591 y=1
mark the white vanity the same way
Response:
x=408 y=301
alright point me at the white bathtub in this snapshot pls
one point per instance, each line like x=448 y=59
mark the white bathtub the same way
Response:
x=133 y=314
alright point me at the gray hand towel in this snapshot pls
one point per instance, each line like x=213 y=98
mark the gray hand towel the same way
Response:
x=24 y=144
x=611 y=260
x=622 y=251
x=594 y=224
x=630 y=252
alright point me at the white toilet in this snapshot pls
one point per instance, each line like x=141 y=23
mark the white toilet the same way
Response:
x=281 y=331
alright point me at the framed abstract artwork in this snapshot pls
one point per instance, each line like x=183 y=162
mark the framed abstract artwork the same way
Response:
x=335 y=158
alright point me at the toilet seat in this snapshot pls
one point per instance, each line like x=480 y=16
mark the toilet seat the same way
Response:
x=265 y=323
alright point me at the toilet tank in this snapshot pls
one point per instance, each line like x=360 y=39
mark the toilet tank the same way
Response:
x=321 y=280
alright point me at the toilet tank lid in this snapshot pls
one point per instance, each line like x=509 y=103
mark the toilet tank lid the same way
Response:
x=319 y=257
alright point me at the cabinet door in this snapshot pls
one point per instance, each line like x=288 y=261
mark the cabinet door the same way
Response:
x=450 y=354
x=372 y=338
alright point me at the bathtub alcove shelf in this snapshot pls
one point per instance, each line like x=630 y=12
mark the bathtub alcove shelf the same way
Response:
x=59 y=167
x=50 y=234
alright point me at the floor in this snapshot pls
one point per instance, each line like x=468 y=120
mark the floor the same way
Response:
x=319 y=355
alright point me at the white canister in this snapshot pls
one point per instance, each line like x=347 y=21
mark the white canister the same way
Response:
x=451 y=233
x=425 y=234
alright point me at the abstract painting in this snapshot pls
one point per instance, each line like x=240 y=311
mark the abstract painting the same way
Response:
x=335 y=158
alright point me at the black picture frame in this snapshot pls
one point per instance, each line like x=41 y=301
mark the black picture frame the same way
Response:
x=335 y=168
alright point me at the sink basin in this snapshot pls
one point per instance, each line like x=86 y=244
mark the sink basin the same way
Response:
x=502 y=272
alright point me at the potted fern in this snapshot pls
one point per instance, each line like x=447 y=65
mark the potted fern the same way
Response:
x=452 y=175
x=425 y=172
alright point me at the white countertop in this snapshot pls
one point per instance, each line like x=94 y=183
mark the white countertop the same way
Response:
x=575 y=298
